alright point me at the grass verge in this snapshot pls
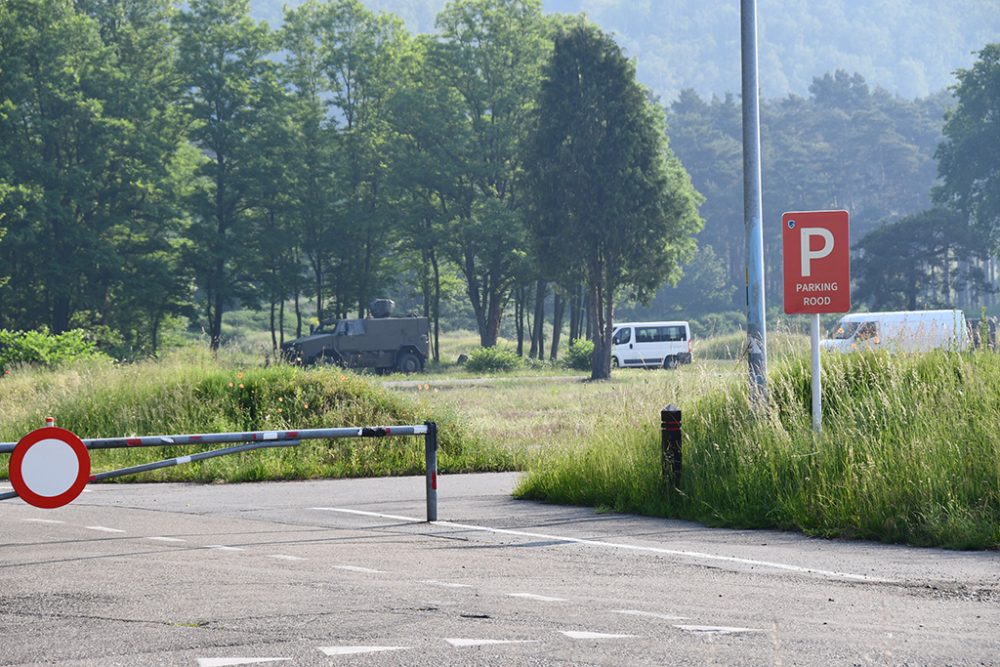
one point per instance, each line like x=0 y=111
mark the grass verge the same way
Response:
x=909 y=453
x=199 y=395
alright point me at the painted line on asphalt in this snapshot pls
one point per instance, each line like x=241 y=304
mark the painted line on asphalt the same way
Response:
x=460 y=643
x=446 y=584
x=223 y=547
x=356 y=568
x=233 y=662
x=43 y=521
x=105 y=529
x=649 y=614
x=159 y=538
x=715 y=629
x=576 y=634
x=694 y=555
x=532 y=596
x=284 y=557
x=356 y=650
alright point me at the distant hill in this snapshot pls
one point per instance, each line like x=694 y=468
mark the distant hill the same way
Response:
x=909 y=47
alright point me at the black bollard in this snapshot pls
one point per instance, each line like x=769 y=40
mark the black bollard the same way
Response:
x=670 y=432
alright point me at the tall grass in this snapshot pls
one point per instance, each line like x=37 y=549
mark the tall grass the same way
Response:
x=729 y=347
x=195 y=394
x=909 y=452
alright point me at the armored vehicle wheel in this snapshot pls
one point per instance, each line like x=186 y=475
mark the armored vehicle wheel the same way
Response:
x=408 y=363
x=329 y=358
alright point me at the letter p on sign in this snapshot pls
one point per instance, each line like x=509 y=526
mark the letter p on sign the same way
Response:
x=806 y=234
x=816 y=248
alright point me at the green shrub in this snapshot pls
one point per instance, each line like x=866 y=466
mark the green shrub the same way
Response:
x=41 y=347
x=579 y=354
x=187 y=397
x=497 y=359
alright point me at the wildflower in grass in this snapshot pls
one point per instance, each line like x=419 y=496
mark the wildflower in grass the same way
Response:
x=281 y=400
x=305 y=405
x=241 y=386
x=343 y=377
x=230 y=385
x=239 y=376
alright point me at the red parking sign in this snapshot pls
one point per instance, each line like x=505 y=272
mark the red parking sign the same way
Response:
x=816 y=248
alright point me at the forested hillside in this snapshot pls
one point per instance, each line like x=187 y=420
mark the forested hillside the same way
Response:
x=909 y=48
x=165 y=163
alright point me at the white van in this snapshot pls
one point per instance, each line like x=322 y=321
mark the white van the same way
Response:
x=650 y=344
x=901 y=331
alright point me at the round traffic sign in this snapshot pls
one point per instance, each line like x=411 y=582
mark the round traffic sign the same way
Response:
x=49 y=467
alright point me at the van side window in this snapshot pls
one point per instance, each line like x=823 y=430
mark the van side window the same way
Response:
x=673 y=334
x=867 y=331
x=622 y=336
x=645 y=335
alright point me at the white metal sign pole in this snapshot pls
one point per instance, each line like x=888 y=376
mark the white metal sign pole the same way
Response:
x=817 y=405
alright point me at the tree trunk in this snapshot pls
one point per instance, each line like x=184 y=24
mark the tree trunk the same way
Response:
x=538 y=331
x=558 y=306
x=215 y=330
x=437 y=307
x=281 y=323
x=576 y=312
x=478 y=307
x=298 y=314
x=519 y=298
x=318 y=285
x=274 y=333
x=597 y=368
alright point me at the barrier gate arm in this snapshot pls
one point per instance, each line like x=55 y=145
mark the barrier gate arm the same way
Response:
x=252 y=440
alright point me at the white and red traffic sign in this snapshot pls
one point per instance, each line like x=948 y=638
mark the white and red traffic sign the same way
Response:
x=49 y=467
x=817 y=257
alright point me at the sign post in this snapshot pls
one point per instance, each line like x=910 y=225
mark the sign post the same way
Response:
x=816 y=248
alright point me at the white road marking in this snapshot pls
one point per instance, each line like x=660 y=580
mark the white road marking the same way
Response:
x=695 y=555
x=649 y=614
x=166 y=539
x=532 y=596
x=573 y=634
x=714 y=629
x=222 y=547
x=446 y=584
x=105 y=529
x=233 y=662
x=44 y=521
x=355 y=568
x=354 y=650
x=459 y=643
x=284 y=557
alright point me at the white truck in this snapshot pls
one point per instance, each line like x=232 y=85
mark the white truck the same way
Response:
x=901 y=331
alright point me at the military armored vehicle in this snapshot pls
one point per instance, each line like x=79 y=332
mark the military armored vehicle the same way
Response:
x=379 y=341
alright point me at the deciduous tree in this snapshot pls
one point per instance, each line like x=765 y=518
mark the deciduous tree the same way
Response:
x=609 y=194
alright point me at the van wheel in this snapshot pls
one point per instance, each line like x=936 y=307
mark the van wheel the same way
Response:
x=670 y=363
x=408 y=363
x=614 y=362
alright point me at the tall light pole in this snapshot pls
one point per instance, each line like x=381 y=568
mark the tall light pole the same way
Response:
x=752 y=207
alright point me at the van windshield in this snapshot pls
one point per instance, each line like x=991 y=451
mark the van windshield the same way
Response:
x=844 y=330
